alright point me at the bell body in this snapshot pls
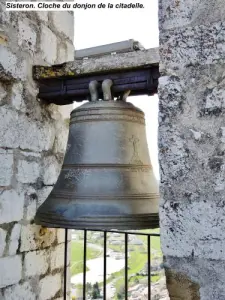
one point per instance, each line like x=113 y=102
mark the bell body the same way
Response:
x=106 y=181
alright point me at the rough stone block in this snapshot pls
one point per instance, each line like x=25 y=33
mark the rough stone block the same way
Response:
x=51 y=170
x=14 y=239
x=207 y=276
x=48 y=45
x=36 y=263
x=28 y=172
x=19 y=292
x=18 y=130
x=70 y=51
x=43 y=15
x=10 y=270
x=6 y=167
x=60 y=236
x=62 y=53
x=31 y=209
x=30 y=202
x=17 y=97
x=3 y=92
x=35 y=237
x=61 y=137
x=43 y=194
x=26 y=35
x=49 y=286
x=5 y=15
x=180 y=13
x=64 y=23
x=180 y=286
x=57 y=257
x=193 y=229
x=2 y=241
x=65 y=111
x=188 y=46
x=171 y=91
x=215 y=100
x=8 y=200
x=12 y=67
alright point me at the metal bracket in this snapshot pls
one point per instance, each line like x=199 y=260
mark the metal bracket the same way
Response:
x=132 y=73
x=63 y=91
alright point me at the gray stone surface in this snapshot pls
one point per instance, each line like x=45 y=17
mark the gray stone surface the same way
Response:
x=41 y=263
x=14 y=239
x=105 y=63
x=48 y=45
x=20 y=292
x=2 y=241
x=11 y=199
x=31 y=153
x=6 y=167
x=191 y=147
x=11 y=270
x=65 y=28
x=49 y=286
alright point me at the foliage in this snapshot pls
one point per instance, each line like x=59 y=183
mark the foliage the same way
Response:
x=136 y=262
x=96 y=291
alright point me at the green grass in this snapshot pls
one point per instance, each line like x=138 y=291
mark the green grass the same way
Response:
x=136 y=261
x=77 y=249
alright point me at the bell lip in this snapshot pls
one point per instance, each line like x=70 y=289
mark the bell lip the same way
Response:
x=148 y=221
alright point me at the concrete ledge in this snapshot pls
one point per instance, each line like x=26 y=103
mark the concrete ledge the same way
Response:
x=115 y=62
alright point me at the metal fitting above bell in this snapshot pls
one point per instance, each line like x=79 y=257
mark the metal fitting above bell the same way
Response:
x=106 y=181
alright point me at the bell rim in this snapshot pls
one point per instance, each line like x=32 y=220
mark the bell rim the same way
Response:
x=133 y=222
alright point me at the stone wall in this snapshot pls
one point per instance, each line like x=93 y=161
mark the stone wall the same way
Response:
x=192 y=147
x=33 y=137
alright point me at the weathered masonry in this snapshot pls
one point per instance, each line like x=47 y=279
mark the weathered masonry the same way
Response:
x=191 y=147
x=33 y=137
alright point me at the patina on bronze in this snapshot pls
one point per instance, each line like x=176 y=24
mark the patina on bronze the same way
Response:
x=106 y=181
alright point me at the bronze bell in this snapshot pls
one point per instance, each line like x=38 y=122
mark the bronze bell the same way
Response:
x=106 y=181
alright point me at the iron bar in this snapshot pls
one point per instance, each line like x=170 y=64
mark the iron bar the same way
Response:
x=128 y=232
x=65 y=265
x=84 y=265
x=126 y=252
x=149 y=267
x=105 y=265
x=126 y=266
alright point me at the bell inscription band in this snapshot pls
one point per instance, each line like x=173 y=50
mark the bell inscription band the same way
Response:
x=106 y=181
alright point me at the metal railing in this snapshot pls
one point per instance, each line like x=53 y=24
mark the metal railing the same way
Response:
x=126 y=243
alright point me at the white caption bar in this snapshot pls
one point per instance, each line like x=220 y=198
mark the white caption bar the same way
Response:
x=48 y=6
x=68 y=5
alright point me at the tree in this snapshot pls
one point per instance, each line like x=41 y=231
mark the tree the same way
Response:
x=95 y=291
